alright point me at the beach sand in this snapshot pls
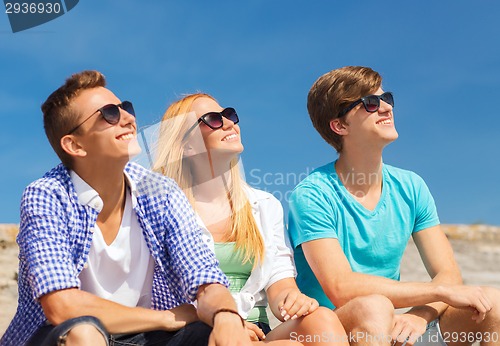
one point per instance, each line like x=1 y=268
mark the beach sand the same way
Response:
x=478 y=257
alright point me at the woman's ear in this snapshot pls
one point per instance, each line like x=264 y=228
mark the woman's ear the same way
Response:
x=194 y=145
x=188 y=150
x=338 y=126
x=71 y=146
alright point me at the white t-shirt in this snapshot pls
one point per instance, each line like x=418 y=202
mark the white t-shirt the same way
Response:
x=122 y=271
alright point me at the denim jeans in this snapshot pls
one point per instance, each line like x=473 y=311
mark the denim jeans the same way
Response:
x=263 y=326
x=49 y=335
x=194 y=334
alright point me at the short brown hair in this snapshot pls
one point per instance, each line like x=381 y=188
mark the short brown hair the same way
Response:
x=333 y=92
x=58 y=117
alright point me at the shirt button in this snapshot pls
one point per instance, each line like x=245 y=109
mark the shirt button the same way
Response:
x=86 y=265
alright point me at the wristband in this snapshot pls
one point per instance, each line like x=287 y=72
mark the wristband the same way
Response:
x=230 y=311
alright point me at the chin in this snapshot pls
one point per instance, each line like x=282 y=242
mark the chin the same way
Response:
x=391 y=139
x=396 y=135
x=392 y=135
x=228 y=153
x=237 y=149
x=134 y=149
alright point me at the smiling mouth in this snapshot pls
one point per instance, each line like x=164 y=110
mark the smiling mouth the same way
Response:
x=229 y=137
x=385 y=122
x=126 y=137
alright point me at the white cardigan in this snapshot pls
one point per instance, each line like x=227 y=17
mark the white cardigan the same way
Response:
x=278 y=260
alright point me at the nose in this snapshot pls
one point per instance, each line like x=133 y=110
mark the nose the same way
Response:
x=384 y=107
x=227 y=124
x=126 y=118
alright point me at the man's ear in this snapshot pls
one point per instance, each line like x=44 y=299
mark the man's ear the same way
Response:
x=71 y=146
x=339 y=127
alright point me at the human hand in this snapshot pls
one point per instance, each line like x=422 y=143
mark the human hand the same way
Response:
x=467 y=297
x=296 y=304
x=254 y=332
x=180 y=316
x=407 y=328
x=228 y=331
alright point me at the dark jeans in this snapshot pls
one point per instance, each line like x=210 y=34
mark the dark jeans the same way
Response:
x=264 y=326
x=49 y=335
x=195 y=334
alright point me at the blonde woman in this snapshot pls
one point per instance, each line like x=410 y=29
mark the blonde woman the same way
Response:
x=199 y=146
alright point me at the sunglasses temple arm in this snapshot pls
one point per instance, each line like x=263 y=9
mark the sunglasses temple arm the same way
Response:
x=349 y=108
x=190 y=130
x=146 y=147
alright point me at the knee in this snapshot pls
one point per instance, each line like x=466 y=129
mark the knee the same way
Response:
x=372 y=313
x=322 y=321
x=85 y=334
x=493 y=296
x=323 y=317
x=373 y=307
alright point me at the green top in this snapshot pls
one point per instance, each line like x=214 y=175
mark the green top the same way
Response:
x=237 y=272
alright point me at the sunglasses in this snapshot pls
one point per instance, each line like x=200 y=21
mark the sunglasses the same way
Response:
x=110 y=113
x=214 y=119
x=370 y=102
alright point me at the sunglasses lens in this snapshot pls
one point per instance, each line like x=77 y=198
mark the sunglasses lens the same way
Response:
x=387 y=98
x=213 y=119
x=230 y=113
x=128 y=107
x=111 y=113
x=372 y=103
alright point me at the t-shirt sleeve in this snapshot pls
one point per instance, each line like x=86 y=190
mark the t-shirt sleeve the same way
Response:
x=311 y=215
x=425 y=208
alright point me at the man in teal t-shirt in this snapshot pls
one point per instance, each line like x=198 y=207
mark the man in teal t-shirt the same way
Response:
x=350 y=222
x=325 y=209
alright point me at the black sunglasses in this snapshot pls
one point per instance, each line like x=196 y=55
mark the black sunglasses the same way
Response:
x=214 y=119
x=110 y=113
x=370 y=102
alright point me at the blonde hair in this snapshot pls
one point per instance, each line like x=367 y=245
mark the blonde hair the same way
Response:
x=170 y=161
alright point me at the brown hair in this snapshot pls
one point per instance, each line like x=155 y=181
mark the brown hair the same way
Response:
x=334 y=91
x=58 y=117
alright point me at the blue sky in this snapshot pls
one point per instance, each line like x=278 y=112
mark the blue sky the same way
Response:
x=440 y=58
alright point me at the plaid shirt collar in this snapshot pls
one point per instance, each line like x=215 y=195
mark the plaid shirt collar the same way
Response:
x=88 y=196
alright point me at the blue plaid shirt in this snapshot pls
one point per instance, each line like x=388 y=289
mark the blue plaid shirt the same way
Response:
x=55 y=238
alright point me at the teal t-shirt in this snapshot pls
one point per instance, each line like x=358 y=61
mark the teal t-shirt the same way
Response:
x=373 y=241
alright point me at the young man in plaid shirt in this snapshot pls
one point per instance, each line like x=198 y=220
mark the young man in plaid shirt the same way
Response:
x=109 y=251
